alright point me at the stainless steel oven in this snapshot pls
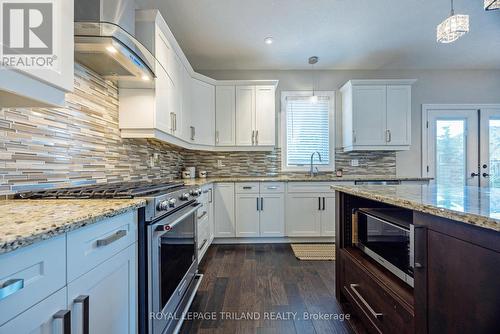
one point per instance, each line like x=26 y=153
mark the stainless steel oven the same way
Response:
x=172 y=268
x=387 y=236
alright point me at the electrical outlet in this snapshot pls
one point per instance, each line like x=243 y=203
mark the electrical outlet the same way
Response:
x=219 y=164
x=354 y=162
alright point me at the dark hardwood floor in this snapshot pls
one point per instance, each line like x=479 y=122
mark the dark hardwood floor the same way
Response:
x=268 y=283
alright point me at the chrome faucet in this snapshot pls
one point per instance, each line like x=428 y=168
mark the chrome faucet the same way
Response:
x=313 y=170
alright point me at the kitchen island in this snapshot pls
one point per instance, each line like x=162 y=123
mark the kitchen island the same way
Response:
x=455 y=246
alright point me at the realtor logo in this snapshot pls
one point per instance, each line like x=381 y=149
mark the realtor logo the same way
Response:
x=27 y=33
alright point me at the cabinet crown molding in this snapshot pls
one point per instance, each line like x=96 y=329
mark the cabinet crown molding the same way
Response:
x=386 y=82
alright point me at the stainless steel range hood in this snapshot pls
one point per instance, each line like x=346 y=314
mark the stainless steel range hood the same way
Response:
x=104 y=42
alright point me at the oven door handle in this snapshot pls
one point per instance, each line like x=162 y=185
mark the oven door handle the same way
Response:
x=176 y=218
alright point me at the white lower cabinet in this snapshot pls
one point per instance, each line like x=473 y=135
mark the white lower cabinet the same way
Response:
x=47 y=317
x=47 y=292
x=104 y=299
x=260 y=209
x=247 y=215
x=205 y=232
x=303 y=217
x=310 y=214
x=224 y=210
x=272 y=215
x=328 y=216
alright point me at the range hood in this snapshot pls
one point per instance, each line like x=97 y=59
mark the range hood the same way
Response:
x=105 y=43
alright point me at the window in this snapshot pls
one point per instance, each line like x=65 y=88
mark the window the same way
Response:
x=307 y=127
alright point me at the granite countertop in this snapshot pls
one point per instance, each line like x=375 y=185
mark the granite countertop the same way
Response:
x=298 y=178
x=24 y=222
x=471 y=205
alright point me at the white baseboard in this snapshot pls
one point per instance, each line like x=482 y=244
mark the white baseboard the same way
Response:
x=277 y=240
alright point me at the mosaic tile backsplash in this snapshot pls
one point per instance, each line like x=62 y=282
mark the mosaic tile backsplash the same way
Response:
x=58 y=147
x=80 y=144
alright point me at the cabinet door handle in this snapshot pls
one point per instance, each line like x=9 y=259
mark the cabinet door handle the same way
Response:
x=172 y=122
x=83 y=302
x=257 y=137
x=202 y=215
x=203 y=244
x=376 y=315
x=324 y=204
x=210 y=195
x=253 y=137
x=193 y=132
x=353 y=136
x=175 y=122
x=11 y=286
x=216 y=137
x=388 y=136
x=62 y=322
x=262 y=204
x=257 y=204
x=112 y=238
x=319 y=203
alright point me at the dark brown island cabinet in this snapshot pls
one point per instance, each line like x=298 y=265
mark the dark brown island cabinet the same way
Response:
x=456 y=287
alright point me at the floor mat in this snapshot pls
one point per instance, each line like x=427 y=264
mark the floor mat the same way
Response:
x=314 y=252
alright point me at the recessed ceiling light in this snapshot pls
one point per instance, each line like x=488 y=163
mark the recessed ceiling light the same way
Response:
x=268 y=40
x=145 y=77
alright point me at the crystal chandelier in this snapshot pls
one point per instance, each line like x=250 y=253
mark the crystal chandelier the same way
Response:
x=491 y=4
x=453 y=27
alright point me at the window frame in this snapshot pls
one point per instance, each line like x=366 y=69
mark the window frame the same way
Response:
x=331 y=131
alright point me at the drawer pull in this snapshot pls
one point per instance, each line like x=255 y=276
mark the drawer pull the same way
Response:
x=112 y=238
x=63 y=322
x=202 y=215
x=247 y=187
x=11 y=286
x=272 y=188
x=83 y=302
x=376 y=315
x=203 y=244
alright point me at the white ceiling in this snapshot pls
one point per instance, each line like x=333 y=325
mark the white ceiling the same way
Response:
x=345 y=34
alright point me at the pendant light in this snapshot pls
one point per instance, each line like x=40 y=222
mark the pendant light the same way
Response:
x=454 y=27
x=491 y=4
x=312 y=61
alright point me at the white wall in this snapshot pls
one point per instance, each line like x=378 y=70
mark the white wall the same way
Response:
x=433 y=86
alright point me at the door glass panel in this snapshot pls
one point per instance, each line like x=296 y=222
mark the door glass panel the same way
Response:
x=494 y=150
x=450 y=152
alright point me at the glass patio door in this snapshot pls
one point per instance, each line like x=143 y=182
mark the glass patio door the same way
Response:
x=453 y=147
x=464 y=147
x=489 y=168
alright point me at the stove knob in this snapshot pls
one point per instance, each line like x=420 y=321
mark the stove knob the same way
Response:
x=163 y=205
x=171 y=202
x=184 y=197
x=196 y=192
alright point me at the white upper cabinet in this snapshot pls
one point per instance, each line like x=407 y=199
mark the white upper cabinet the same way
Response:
x=245 y=115
x=191 y=110
x=255 y=115
x=398 y=115
x=265 y=115
x=376 y=115
x=225 y=113
x=202 y=128
x=44 y=86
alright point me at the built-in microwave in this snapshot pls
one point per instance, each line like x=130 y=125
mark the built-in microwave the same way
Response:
x=387 y=236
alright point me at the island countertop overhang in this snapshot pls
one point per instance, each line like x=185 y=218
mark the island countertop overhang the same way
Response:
x=471 y=205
